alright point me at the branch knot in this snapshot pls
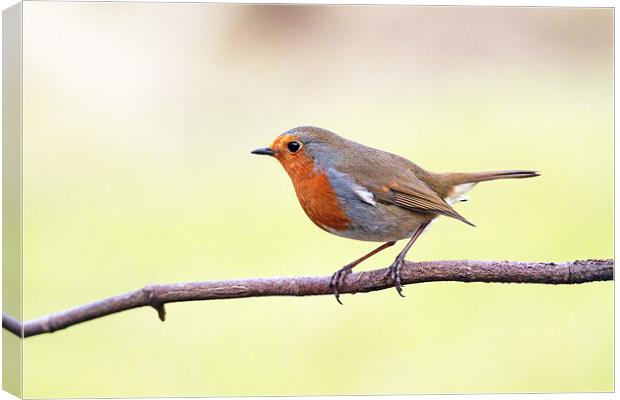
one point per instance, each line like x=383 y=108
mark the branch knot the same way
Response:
x=152 y=294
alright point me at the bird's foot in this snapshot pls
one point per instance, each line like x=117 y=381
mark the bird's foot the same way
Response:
x=338 y=280
x=394 y=272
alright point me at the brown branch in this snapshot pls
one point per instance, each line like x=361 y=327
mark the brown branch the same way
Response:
x=430 y=271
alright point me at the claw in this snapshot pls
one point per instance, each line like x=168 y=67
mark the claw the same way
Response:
x=395 y=274
x=338 y=280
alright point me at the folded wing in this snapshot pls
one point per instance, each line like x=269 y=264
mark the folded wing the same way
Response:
x=422 y=199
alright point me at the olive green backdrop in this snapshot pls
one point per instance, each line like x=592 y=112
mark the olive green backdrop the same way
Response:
x=138 y=123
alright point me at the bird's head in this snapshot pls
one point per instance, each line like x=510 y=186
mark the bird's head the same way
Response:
x=299 y=147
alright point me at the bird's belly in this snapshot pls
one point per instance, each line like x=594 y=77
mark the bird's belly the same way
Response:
x=381 y=223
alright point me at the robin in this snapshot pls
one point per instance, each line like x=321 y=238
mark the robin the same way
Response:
x=362 y=193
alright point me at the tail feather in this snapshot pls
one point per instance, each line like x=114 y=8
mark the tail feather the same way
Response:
x=453 y=185
x=458 y=178
x=493 y=175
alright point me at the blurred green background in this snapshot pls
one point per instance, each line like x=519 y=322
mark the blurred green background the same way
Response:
x=138 y=123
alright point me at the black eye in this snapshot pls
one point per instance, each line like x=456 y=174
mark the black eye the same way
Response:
x=293 y=147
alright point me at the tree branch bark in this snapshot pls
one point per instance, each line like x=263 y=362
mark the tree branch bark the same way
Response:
x=156 y=296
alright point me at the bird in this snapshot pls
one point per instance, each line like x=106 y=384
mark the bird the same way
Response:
x=362 y=193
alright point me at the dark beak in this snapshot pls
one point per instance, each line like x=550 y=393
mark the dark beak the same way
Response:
x=265 y=151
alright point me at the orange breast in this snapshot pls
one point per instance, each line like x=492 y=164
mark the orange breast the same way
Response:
x=315 y=193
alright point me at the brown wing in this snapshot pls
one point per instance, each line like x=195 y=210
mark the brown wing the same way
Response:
x=393 y=180
x=423 y=199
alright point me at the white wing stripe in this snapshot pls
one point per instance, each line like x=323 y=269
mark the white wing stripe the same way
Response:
x=364 y=194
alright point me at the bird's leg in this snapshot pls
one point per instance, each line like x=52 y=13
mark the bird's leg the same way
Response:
x=397 y=265
x=338 y=276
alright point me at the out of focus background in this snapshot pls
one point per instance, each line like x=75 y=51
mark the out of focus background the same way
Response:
x=139 y=119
